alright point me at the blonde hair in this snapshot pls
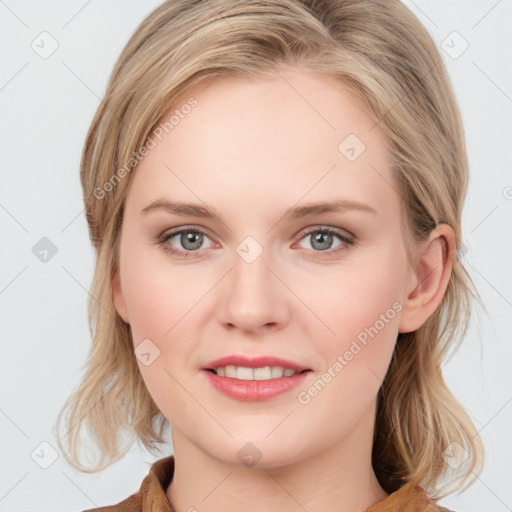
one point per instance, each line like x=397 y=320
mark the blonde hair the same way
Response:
x=387 y=59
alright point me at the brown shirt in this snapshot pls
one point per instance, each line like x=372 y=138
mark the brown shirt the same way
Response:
x=152 y=498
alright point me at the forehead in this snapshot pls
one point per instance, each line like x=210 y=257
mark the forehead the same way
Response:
x=267 y=140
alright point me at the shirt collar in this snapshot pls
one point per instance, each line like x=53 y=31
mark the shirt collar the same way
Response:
x=152 y=494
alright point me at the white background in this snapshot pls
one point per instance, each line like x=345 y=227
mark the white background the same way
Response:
x=46 y=108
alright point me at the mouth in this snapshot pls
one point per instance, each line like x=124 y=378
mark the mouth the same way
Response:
x=254 y=378
x=255 y=384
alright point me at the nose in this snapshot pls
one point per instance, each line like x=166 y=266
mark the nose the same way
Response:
x=253 y=298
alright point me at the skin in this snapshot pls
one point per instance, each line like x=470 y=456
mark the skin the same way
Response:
x=251 y=149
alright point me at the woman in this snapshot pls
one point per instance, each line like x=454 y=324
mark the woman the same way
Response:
x=274 y=192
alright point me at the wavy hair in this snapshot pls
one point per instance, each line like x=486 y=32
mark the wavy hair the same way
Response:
x=385 y=57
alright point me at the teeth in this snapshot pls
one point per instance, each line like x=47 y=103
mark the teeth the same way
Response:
x=230 y=371
x=262 y=373
x=265 y=373
x=277 y=372
x=244 y=373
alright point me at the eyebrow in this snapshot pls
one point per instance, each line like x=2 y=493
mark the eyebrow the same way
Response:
x=295 y=212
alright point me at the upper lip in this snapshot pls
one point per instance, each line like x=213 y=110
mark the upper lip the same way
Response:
x=253 y=362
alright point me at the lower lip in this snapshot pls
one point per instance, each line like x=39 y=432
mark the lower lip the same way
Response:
x=255 y=390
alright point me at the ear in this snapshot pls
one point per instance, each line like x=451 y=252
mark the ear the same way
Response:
x=118 y=297
x=427 y=283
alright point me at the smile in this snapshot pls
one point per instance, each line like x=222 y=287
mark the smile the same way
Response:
x=263 y=373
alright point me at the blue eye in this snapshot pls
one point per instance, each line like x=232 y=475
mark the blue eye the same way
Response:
x=191 y=239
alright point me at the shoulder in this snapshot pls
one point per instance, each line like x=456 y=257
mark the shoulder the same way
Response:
x=152 y=490
x=130 y=504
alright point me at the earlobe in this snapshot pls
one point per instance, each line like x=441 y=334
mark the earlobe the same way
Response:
x=118 y=298
x=428 y=281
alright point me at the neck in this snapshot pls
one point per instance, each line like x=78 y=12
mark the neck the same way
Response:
x=339 y=478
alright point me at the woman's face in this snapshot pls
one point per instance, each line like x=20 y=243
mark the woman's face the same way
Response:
x=253 y=280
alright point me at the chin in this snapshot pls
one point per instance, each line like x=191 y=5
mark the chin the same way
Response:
x=256 y=452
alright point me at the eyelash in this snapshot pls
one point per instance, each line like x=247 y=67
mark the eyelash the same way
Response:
x=347 y=242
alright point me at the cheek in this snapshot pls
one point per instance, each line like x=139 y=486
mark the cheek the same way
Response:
x=161 y=301
x=158 y=294
x=359 y=308
x=363 y=312
x=158 y=307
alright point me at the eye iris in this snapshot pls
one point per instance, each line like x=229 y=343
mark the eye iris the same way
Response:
x=189 y=236
x=322 y=237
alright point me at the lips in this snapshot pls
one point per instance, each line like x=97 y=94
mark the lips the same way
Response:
x=254 y=390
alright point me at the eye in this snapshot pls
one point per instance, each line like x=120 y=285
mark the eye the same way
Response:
x=190 y=239
x=322 y=238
